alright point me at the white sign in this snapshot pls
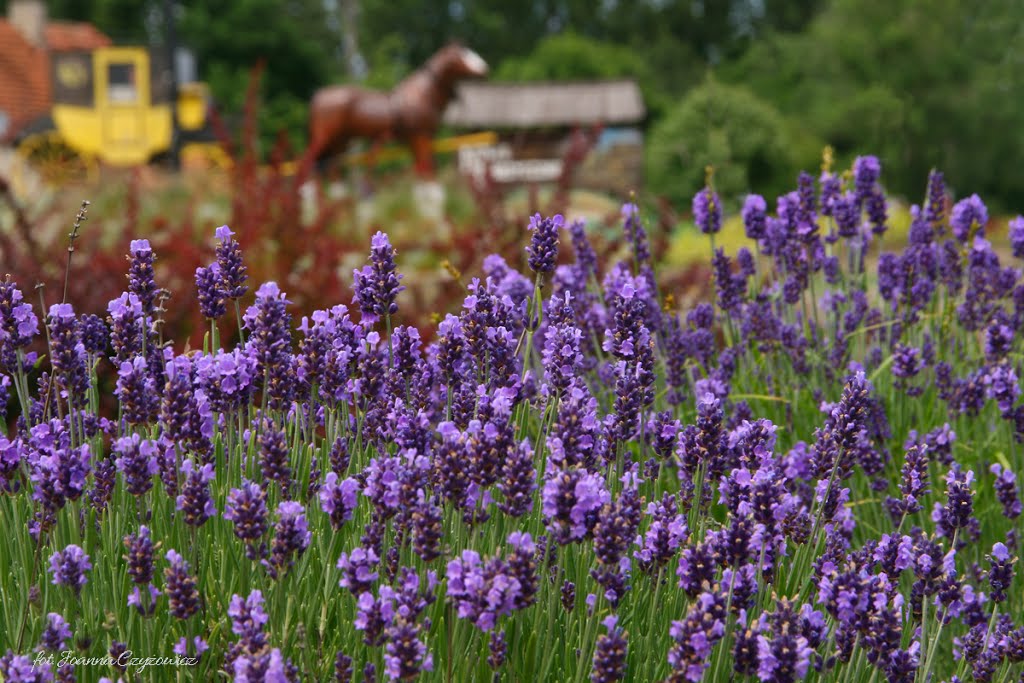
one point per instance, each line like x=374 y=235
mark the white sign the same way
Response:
x=475 y=162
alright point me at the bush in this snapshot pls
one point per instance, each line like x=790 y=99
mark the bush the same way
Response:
x=728 y=127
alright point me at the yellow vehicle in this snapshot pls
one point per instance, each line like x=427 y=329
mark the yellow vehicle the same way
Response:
x=113 y=105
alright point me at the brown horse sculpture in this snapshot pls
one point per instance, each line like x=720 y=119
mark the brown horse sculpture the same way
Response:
x=411 y=113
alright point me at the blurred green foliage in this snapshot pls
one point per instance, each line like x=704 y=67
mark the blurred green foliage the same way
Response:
x=728 y=127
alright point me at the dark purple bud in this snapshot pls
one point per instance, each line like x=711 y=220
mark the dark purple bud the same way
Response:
x=543 y=249
x=232 y=271
x=180 y=587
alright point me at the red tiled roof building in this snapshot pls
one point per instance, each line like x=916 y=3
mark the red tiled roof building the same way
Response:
x=26 y=41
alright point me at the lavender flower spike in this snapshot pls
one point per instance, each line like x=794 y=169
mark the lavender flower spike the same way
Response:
x=376 y=285
x=543 y=249
x=229 y=262
x=69 y=566
x=180 y=587
x=707 y=211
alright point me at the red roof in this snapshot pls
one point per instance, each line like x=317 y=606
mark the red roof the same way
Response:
x=25 y=69
x=65 y=35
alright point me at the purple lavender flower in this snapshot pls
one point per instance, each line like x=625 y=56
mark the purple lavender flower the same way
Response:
x=136 y=390
x=18 y=324
x=94 y=334
x=914 y=480
x=610 y=654
x=782 y=651
x=562 y=355
x=180 y=587
x=274 y=454
x=186 y=416
x=406 y=655
x=543 y=250
x=635 y=233
x=730 y=288
x=754 y=216
x=57 y=470
x=935 y=207
x=212 y=301
x=358 y=570
x=247 y=621
x=707 y=211
x=69 y=566
x=125 y=315
x=291 y=537
x=586 y=258
x=265 y=667
x=998 y=337
x=67 y=354
x=144 y=603
x=140 y=556
x=1017 y=236
x=427 y=525
x=56 y=633
x=247 y=508
x=374 y=615
x=518 y=482
x=957 y=512
x=339 y=500
x=227 y=379
x=342 y=668
x=696 y=636
x=1002 y=386
x=199 y=646
x=866 y=172
x=141 y=279
x=269 y=324
x=968 y=214
x=906 y=361
x=498 y=649
x=137 y=462
x=1006 y=491
x=229 y=262
x=665 y=535
x=522 y=565
x=483 y=591
x=570 y=501
x=376 y=285
x=22 y=669
x=1000 y=574
x=194 y=501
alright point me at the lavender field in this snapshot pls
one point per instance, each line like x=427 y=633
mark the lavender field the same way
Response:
x=810 y=476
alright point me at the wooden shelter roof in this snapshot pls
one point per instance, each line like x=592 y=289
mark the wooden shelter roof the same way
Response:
x=531 y=105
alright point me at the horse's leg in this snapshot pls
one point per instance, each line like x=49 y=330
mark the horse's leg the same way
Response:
x=423 y=154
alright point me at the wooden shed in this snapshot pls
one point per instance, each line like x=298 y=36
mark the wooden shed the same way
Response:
x=535 y=123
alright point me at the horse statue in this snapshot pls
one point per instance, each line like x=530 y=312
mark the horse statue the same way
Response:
x=411 y=113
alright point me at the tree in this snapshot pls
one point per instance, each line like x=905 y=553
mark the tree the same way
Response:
x=922 y=83
x=744 y=138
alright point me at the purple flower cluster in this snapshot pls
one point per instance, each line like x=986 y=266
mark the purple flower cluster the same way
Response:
x=486 y=589
x=376 y=285
x=543 y=249
x=180 y=587
x=291 y=538
x=69 y=567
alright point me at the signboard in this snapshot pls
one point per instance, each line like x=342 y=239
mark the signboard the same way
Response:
x=504 y=168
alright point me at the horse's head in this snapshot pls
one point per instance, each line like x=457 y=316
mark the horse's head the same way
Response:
x=458 y=61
